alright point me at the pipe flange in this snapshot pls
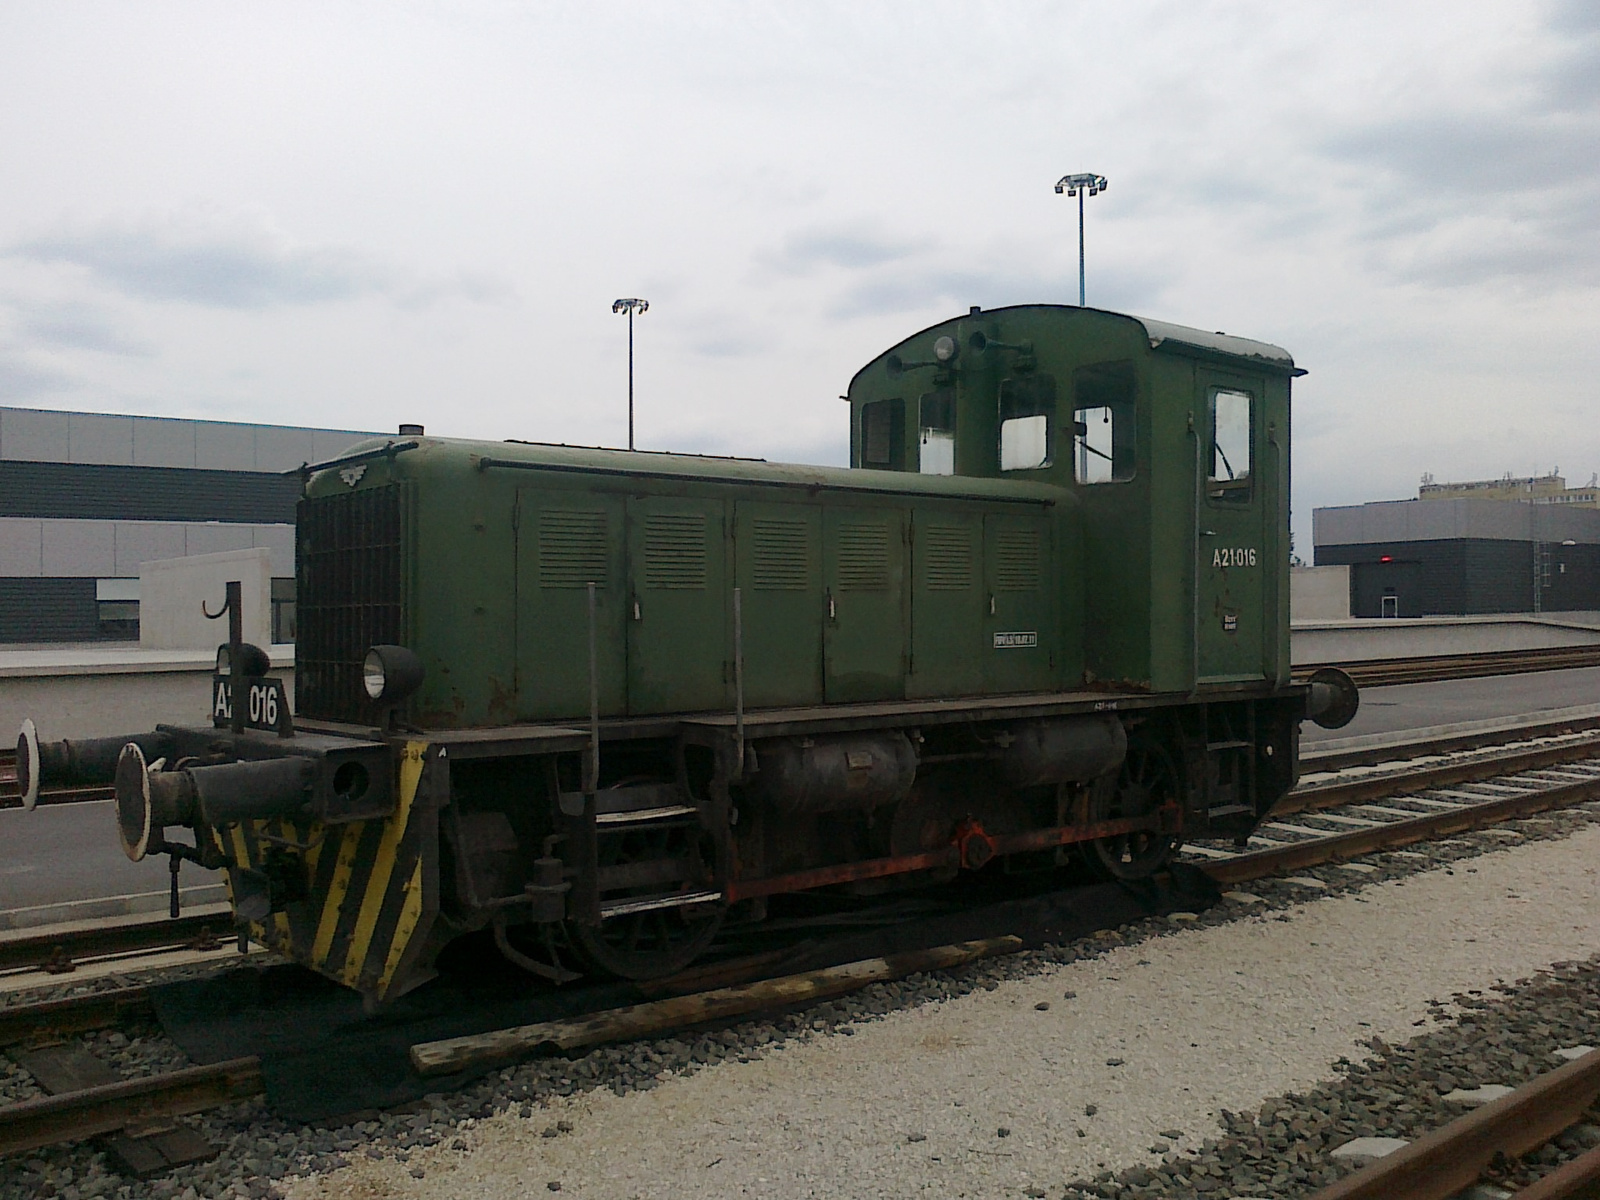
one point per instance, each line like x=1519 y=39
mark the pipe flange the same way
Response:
x=133 y=802
x=28 y=763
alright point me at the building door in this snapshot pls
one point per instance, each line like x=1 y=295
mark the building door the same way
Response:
x=1021 y=609
x=778 y=548
x=1231 y=565
x=565 y=541
x=679 y=655
x=864 y=582
x=1391 y=605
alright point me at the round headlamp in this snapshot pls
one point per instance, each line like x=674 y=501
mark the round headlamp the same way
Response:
x=390 y=673
x=945 y=348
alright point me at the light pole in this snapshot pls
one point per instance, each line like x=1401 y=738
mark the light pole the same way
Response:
x=1077 y=185
x=630 y=306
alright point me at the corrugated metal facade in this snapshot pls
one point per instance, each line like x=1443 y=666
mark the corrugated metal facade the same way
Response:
x=1465 y=576
x=74 y=490
x=49 y=610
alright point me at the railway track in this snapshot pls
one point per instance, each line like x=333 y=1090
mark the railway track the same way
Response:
x=1453 y=1156
x=1386 y=672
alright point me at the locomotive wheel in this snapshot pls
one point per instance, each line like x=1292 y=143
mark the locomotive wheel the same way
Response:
x=1146 y=782
x=657 y=941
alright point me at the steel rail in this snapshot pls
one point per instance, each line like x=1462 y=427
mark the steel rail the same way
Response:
x=1434 y=668
x=1451 y=1157
x=71 y=1015
x=56 y=951
x=1336 y=759
x=72 y=1116
x=1342 y=846
x=1332 y=793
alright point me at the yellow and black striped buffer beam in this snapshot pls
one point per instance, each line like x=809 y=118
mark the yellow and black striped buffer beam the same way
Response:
x=365 y=898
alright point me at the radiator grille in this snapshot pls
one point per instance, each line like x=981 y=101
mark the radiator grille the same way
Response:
x=1017 y=560
x=781 y=561
x=572 y=549
x=349 y=596
x=947 y=558
x=863 y=558
x=675 y=551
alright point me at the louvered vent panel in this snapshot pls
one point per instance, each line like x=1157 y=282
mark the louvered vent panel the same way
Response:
x=675 y=551
x=1017 y=560
x=863 y=558
x=947 y=558
x=781 y=559
x=572 y=549
x=349 y=596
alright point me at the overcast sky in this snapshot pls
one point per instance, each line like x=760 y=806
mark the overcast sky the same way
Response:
x=351 y=214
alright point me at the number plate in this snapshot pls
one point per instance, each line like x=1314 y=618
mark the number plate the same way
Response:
x=265 y=700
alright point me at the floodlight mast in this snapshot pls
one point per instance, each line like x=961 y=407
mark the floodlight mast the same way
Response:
x=1078 y=185
x=630 y=306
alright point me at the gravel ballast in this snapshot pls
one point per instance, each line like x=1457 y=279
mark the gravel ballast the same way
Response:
x=1158 y=1040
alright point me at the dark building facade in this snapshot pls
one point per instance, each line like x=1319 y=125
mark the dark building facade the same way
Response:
x=1417 y=558
x=86 y=497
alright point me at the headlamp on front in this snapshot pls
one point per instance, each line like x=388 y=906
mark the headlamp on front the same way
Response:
x=390 y=674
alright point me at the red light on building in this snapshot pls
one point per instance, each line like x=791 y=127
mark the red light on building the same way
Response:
x=1386 y=558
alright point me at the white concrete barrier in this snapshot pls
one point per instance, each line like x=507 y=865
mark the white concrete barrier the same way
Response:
x=103 y=691
x=173 y=591
x=1319 y=593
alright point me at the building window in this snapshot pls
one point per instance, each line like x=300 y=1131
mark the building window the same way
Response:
x=283 y=623
x=117 y=607
x=936 y=436
x=1027 y=422
x=1230 y=444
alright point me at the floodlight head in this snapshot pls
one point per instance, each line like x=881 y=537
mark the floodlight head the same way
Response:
x=631 y=304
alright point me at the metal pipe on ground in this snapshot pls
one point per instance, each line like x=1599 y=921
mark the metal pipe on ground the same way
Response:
x=642 y=1020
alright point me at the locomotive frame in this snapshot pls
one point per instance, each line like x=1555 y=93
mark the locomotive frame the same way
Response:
x=599 y=702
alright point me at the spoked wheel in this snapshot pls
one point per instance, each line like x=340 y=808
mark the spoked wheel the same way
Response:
x=1147 y=782
x=645 y=872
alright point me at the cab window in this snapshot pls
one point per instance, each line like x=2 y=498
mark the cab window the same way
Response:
x=936 y=437
x=1027 y=422
x=883 y=425
x=1231 y=423
x=1103 y=429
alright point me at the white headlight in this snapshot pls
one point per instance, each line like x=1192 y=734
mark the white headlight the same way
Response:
x=944 y=349
x=372 y=677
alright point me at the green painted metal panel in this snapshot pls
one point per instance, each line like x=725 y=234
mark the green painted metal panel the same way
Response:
x=778 y=548
x=864 y=574
x=678 y=605
x=1019 y=573
x=565 y=540
x=948 y=603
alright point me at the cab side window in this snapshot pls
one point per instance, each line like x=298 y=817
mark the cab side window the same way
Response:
x=1027 y=422
x=883 y=425
x=1103 y=429
x=1232 y=419
x=936 y=437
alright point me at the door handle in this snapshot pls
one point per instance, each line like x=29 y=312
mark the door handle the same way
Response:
x=833 y=614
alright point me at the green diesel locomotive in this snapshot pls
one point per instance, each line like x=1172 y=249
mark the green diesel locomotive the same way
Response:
x=600 y=702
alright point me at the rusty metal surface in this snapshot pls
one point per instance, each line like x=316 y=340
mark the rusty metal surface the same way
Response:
x=1575 y=1180
x=133 y=1102
x=1451 y=1157
x=74 y=1014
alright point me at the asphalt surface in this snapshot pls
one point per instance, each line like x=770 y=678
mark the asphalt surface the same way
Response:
x=70 y=852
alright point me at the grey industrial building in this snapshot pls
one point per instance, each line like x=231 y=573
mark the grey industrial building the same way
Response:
x=1416 y=558
x=86 y=497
